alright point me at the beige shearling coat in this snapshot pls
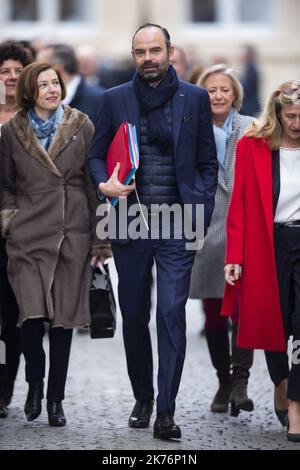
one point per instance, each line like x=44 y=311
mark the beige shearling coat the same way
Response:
x=48 y=210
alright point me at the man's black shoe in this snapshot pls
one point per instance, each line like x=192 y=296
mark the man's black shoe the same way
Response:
x=141 y=414
x=165 y=427
x=56 y=415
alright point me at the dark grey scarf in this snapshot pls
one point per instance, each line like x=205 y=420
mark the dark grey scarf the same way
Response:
x=152 y=101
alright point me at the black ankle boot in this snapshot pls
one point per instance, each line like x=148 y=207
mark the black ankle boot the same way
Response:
x=242 y=360
x=3 y=411
x=33 y=405
x=218 y=346
x=239 y=398
x=220 y=402
x=56 y=415
x=7 y=387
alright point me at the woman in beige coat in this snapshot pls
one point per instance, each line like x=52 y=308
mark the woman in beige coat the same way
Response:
x=47 y=216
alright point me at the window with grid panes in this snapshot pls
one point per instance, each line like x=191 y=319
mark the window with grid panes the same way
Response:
x=23 y=10
x=62 y=10
x=204 y=11
x=232 y=11
x=73 y=10
x=254 y=11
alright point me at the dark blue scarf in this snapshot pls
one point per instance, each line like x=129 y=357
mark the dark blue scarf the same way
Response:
x=152 y=101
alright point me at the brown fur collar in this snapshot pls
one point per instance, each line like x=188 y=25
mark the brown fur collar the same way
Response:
x=72 y=122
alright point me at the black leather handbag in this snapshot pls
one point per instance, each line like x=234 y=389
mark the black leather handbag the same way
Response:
x=102 y=304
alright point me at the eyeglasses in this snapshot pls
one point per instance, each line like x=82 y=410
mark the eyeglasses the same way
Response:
x=289 y=91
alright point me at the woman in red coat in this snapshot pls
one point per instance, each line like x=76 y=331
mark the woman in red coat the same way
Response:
x=263 y=244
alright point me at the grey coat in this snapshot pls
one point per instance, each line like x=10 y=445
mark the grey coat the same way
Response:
x=207 y=279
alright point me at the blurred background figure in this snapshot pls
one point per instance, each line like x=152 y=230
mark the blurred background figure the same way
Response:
x=39 y=42
x=80 y=94
x=196 y=73
x=207 y=281
x=31 y=52
x=13 y=58
x=179 y=61
x=89 y=63
x=251 y=83
x=116 y=72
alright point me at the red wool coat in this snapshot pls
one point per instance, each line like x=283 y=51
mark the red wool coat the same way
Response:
x=250 y=243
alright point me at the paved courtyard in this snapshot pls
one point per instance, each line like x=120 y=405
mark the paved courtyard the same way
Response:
x=99 y=400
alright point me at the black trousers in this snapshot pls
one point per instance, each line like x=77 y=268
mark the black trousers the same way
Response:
x=287 y=256
x=10 y=334
x=60 y=340
x=134 y=262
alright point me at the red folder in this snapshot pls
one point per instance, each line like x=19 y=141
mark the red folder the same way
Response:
x=119 y=151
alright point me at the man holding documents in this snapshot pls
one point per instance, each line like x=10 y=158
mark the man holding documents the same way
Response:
x=177 y=166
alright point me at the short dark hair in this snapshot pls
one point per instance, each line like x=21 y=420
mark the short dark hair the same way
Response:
x=10 y=50
x=28 y=47
x=153 y=25
x=64 y=54
x=27 y=85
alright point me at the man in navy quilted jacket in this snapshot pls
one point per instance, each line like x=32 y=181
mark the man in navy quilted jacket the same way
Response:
x=178 y=167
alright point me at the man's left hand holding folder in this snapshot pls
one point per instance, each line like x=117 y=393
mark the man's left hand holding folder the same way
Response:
x=113 y=188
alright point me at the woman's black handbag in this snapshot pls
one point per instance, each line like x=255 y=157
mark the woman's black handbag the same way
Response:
x=102 y=304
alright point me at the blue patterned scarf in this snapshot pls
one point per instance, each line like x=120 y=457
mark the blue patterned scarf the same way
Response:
x=45 y=130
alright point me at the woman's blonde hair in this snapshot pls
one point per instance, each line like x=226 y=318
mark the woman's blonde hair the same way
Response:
x=268 y=126
x=229 y=72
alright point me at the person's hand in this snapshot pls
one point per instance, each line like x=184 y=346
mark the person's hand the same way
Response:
x=95 y=260
x=113 y=187
x=232 y=273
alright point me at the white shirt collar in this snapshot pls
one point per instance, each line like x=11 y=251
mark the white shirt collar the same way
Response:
x=72 y=88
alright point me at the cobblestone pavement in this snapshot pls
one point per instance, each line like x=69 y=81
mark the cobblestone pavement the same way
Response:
x=99 y=400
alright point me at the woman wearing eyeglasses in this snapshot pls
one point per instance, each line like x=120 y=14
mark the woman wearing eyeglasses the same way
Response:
x=263 y=245
x=47 y=211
